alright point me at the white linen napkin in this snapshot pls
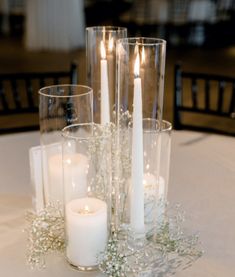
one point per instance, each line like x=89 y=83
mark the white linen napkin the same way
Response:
x=35 y=161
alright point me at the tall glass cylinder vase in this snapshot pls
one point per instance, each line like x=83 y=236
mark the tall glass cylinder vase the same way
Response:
x=87 y=192
x=141 y=70
x=101 y=69
x=59 y=106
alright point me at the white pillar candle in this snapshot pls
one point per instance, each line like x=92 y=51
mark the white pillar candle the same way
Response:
x=86 y=231
x=75 y=176
x=105 y=109
x=154 y=194
x=52 y=182
x=150 y=190
x=161 y=200
x=137 y=188
x=55 y=178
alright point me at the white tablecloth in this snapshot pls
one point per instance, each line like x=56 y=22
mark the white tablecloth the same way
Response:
x=202 y=179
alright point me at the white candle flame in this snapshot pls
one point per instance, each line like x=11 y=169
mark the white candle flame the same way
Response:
x=68 y=161
x=137 y=66
x=110 y=43
x=85 y=210
x=143 y=55
x=103 y=31
x=102 y=50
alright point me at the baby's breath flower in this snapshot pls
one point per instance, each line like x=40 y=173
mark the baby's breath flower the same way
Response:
x=45 y=234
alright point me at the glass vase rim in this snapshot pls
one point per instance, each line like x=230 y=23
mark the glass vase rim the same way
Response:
x=108 y=28
x=134 y=40
x=88 y=92
x=83 y=138
x=163 y=125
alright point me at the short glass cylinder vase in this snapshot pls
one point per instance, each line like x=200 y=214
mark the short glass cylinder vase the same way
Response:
x=140 y=71
x=59 y=106
x=101 y=69
x=87 y=192
x=142 y=209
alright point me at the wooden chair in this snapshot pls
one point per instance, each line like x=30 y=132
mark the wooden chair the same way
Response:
x=19 y=97
x=204 y=102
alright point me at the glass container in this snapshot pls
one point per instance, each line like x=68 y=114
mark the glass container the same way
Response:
x=101 y=69
x=87 y=192
x=59 y=106
x=140 y=81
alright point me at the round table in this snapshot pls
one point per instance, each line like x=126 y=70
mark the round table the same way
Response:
x=202 y=179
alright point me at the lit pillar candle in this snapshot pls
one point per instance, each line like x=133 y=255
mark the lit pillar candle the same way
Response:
x=137 y=188
x=86 y=231
x=154 y=194
x=75 y=177
x=105 y=109
x=55 y=178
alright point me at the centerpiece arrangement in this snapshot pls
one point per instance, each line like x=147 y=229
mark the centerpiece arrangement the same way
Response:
x=105 y=161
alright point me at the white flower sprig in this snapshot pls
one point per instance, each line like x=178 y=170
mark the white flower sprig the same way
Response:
x=171 y=249
x=112 y=262
x=45 y=234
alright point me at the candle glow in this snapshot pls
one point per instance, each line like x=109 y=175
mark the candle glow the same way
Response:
x=85 y=210
x=110 y=43
x=143 y=56
x=137 y=66
x=102 y=50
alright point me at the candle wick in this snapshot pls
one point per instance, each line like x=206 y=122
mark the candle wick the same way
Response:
x=137 y=66
x=136 y=75
x=85 y=211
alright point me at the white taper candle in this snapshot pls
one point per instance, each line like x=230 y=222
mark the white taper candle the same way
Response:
x=105 y=109
x=137 y=187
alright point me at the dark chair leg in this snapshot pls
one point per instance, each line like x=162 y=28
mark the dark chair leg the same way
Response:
x=177 y=96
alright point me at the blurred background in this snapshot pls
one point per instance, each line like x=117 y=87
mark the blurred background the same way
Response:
x=47 y=35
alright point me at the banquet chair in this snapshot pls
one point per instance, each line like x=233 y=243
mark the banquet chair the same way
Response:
x=204 y=102
x=19 y=97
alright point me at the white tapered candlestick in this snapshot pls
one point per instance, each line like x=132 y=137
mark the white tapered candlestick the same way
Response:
x=137 y=187
x=105 y=110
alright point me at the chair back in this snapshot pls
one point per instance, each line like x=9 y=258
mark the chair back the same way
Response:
x=210 y=95
x=19 y=97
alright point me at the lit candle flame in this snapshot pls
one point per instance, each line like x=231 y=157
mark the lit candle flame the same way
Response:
x=110 y=43
x=137 y=66
x=143 y=56
x=86 y=209
x=103 y=31
x=68 y=161
x=102 y=50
